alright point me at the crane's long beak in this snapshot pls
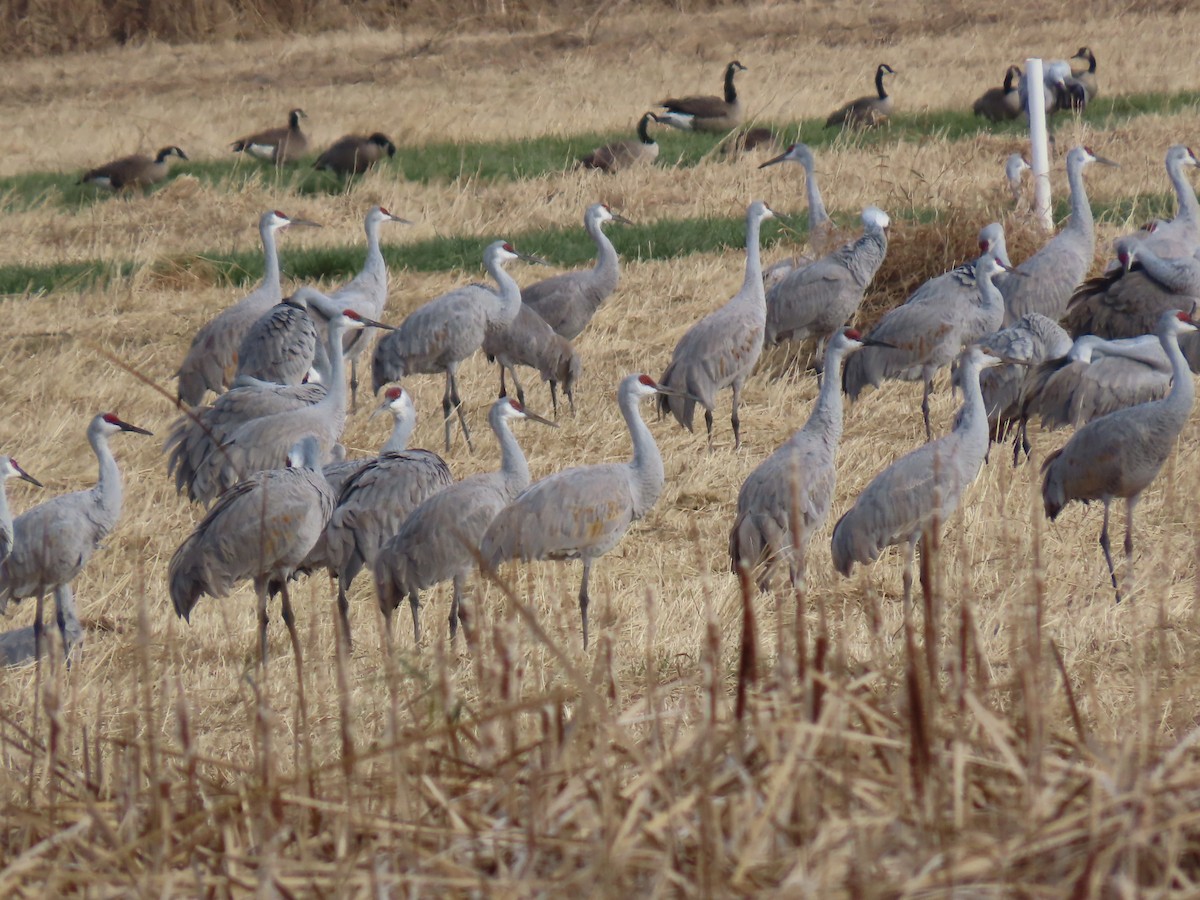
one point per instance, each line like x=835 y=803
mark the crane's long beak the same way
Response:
x=617 y=217
x=1106 y=162
x=307 y=222
x=782 y=157
x=398 y=219
x=871 y=342
x=534 y=417
x=672 y=392
x=125 y=426
x=536 y=260
x=25 y=476
x=371 y=323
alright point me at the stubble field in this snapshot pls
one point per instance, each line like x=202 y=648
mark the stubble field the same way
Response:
x=1038 y=742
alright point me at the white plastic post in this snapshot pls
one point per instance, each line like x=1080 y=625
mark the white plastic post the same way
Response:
x=1039 y=155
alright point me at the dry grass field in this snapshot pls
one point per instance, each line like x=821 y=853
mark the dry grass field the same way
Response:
x=1038 y=740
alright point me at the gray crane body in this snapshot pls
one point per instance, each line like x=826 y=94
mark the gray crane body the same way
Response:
x=567 y=302
x=820 y=298
x=9 y=468
x=821 y=231
x=1181 y=235
x=440 y=538
x=1120 y=454
x=1045 y=281
x=213 y=354
x=282 y=345
x=53 y=541
x=261 y=529
x=529 y=341
x=721 y=349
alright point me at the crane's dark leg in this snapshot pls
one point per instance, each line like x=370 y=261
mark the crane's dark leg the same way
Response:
x=260 y=590
x=448 y=408
x=343 y=606
x=583 y=600
x=517 y=384
x=733 y=418
x=909 y=551
x=708 y=420
x=354 y=383
x=455 y=606
x=39 y=630
x=1129 y=505
x=503 y=385
x=462 y=415
x=554 y=399
x=1104 y=544
x=68 y=621
x=289 y=619
x=925 y=408
x=414 y=603
x=569 y=390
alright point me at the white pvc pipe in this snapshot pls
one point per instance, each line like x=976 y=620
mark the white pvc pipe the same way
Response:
x=1039 y=155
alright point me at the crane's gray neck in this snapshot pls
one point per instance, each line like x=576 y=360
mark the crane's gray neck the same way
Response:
x=270 y=259
x=402 y=430
x=646 y=467
x=6 y=522
x=865 y=255
x=510 y=292
x=990 y=295
x=730 y=91
x=825 y=421
x=1177 y=275
x=1189 y=208
x=752 y=284
x=514 y=470
x=1081 y=209
x=1183 y=389
x=607 y=266
x=108 y=489
x=335 y=394
x=972 y=422
x=374 y=267
x=817 y=216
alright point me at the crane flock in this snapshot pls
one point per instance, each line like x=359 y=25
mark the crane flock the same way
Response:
x=266 y=455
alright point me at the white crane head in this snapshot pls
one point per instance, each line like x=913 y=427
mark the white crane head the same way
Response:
x=759 y=211
x=501 y=252
x=976 y=357
x=349 y=320
x=988 y=266
x=991 y=240
x=508 y=408
x=642 y=386
x=305 y=453
x=378 y=214
x=1084 y=155
x=1175 y=321
x=874 y=217
x=1014 y=166
x=398 y=402
x=273 y=220
x=109 y=423
x=600 y=213
x=10 y=468
x=1183 y=155
x=1126 y=248
x=797 y=153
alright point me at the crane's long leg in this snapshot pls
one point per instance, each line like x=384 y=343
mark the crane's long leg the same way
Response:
x=925 y=408
x=1106 y=546
x=733 y=418
x=909 y=550
x=414 y=602
x=503 y=385
x=512 y=370
x=39 y=631
x=583 y=600
x=289 y=619
x=708 y=420
x=1129 y=505
x=260 y=591
x=448 y=409
x=462 y=415
x=343 y=607
x=554 y=399
x=456 y=604
x=68 y=621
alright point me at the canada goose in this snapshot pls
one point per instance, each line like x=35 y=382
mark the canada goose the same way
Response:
x=1083 y=71
x=132 y=171
x=998 y=104
x=706 y=113
x=278 y=145
x=623 y=154
x=353 y=154
x=866 y=112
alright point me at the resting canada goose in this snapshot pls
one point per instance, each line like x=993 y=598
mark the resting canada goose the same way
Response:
x=706 y=113
x=623 y=154
x=749 y=140
x=278 y=145
x=1083 y=71
x=998 y=104
x=866 y=111
x=132 y=171
x=355 y=153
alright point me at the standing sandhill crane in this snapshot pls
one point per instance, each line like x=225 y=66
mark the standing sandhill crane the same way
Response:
x=1002 y=103
x=1049 y=277
x=819 y=299
x=821 y=232
x=371 y=507
x=623 y=154
x=1118 y=455
x=286 y=143
x=446 y=330
x=1181 y=235
x=930 y=330
x=54 y=541
x=582 y=513
x=440 y=538
x=794 y=486
x=706 y=113
x=904 y=501
x=367 y=293
x=264 y=443
x=396 y=401
x=213 y=353
x=262 y=528
x=1014 y=168
x=721 y=349
x=133 y=171
x=1028 y=342
x=568 y=301
x=866 y=112
x=354 y=154
x=1130 y=300
x=282 y=344
x=529 y=341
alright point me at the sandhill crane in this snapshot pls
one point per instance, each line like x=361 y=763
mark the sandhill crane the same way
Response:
x=278 y=145
x=9 y=468
x=371 y=507
x=1120 y=454
x=354 y=154
x=264 y=443
x=446 y=330
x=1001 y=103
x=367 y=293
x=794 y=486
x=1028 y=342
x=282 y=344
x=262 y=528
x=399 y=403
x=213 y=352
x=440 y=538
x=1129 y=301
x=53 y=541
x=1014 y=169
x=929 y=331
x=921 y=489
x=622 y=154
x=706 y=113
x=822 y=236
x=721 y=349
x=582 y=513
x=133 y=171
x=529 y=341
x=1049 y=277
x=568 y=301
x=865 y=112
x=819 y=299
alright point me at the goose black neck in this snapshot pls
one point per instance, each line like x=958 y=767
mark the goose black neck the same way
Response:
x=294 y=120
x=1008 y=80
x=730 y=91
x=643 y=129
x=879 y=73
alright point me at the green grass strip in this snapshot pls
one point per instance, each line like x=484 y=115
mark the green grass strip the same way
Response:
x=533 y=157
x=568 y=247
